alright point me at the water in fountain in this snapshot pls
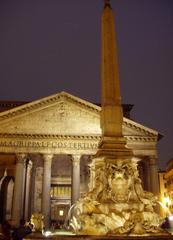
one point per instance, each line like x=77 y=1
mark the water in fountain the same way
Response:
x=68 y=217
x=168 y=221
x=166 y=209
x=66 y=226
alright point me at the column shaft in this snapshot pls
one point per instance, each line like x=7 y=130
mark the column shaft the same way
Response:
x=92 y=174
x=23 y=190
x=18 y=189
x=27 y=190
x=154 y=181
x=46 y=189
x=75 y=178
x=32 y=188
x=148 y=178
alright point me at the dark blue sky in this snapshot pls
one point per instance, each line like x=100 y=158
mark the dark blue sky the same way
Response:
x=47 y=46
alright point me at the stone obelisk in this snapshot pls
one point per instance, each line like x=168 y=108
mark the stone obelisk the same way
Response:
x=116 y=203
x=112 y=143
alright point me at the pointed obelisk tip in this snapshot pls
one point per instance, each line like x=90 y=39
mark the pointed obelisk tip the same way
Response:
x=107 y=3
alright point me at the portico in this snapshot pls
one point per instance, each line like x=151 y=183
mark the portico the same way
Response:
x=52 y=141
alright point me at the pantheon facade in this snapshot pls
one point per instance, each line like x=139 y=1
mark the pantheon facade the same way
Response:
x=46 y=150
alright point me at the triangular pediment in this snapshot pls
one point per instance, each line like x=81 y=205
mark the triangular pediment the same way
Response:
x=62 y=114
x=59 y=114
x=132 y=128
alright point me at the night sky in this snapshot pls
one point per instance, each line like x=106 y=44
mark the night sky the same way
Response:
x=48 y=46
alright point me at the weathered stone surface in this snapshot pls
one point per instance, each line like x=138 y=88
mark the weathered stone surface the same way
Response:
x=117 y=204
x=166 y=236
x=63 y=123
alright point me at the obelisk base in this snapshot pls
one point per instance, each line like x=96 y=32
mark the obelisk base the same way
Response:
x=113 y=147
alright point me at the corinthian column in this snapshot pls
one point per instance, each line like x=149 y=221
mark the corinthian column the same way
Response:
x=75 y=178
x=154 y=181
x=18 y=189
x=46 y=189
x=27 y=190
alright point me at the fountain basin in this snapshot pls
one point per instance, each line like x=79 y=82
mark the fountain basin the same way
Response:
x=66 y=236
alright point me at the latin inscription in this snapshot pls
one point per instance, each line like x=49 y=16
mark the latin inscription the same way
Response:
x=51 y=144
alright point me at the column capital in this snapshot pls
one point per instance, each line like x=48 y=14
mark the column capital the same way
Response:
x=21 y=157
x=30 y=164
x=75 y=158
x=153 y=160
x=48 y=157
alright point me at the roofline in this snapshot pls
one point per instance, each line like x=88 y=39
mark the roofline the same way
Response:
x=18 y=105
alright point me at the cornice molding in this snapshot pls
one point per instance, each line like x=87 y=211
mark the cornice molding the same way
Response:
x=50 y=136
x=141 y=139
x=53 y=99
x=73 y=137
x=138 y=127
x=46 y=102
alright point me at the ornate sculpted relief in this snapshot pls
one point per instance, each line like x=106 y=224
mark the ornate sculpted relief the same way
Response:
x=117 y=204
x=61 y=118
x=63 y=124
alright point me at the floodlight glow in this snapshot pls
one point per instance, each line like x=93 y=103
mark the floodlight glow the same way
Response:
x=170 y=218
x=47 y=233
x=167 y=200
x=61 y=212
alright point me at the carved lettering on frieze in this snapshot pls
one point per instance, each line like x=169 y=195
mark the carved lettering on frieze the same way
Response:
x=49 y=144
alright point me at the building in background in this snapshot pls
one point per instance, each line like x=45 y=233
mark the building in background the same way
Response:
x=47 y=146
x=163 y=198
x=166 y=188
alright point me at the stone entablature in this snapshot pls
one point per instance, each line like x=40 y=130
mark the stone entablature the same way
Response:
x=66 y=124
x=57 y=107
x=59 y=145
x=64 y=144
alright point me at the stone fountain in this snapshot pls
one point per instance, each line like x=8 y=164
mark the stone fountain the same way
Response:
x=117 y=204
x=117 y=207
